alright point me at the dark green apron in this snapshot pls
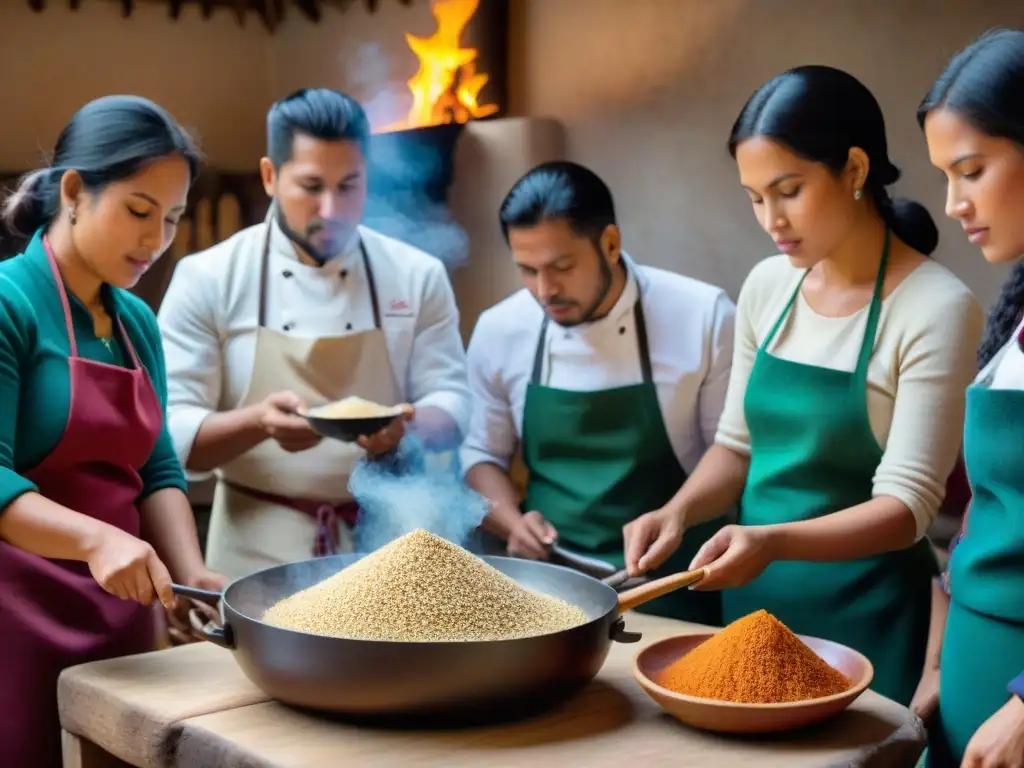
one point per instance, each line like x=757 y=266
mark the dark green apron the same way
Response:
x=983 y=649
x=598 y=460
x=813 y=453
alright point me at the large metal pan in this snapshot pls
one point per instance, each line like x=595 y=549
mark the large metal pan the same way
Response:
x=453 y=683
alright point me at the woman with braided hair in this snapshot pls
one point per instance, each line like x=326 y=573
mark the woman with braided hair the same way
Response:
x=973 y=119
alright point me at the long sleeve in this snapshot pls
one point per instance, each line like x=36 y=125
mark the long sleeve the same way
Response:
x=437 y=364
x=492 y=434
x=935 y=367
x=191 y=343
x=163 y=469
x=714 y=389
x=15 y=341
x=1016 y=686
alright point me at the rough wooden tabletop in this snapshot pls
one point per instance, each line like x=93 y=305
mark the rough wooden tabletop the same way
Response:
x=192 y=706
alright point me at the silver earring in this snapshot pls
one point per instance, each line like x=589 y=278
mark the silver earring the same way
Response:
x=858 y=195
x=74 y=216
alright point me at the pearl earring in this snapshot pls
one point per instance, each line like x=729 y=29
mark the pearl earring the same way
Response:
x=858 y=195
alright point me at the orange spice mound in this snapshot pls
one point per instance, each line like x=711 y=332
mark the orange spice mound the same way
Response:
x=754 y=660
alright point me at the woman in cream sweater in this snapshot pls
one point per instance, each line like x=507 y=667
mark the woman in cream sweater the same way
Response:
x=842 y=418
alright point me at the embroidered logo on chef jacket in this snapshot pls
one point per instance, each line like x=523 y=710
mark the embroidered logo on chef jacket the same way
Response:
x=399 y=308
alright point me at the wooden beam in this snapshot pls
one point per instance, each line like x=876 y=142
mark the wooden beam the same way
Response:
x=75 y=4
x=126 y=8
x=37 y=5
x=207 y=7
x=175 y=8
x=269 y=13
x=311 y=8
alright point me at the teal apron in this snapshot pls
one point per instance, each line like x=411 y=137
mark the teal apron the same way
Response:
x=599 y=460
x=812 y=454
x=983 y=648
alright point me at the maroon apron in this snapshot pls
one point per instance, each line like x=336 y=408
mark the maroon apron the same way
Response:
x=52 y=613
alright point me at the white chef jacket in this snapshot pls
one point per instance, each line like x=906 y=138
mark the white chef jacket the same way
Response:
x=689 y=332
x=1006 y=368
x=208 y=320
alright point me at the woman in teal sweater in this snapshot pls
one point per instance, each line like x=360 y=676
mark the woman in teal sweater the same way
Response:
x=94 y=522
x=973 y=119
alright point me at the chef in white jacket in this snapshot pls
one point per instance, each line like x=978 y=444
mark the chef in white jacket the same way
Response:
x=605 y=377
x=305 y=308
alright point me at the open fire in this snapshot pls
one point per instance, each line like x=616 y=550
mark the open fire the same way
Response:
x=446 y=87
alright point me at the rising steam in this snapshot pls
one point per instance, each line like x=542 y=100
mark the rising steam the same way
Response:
x=404 y=492
x=400 y=203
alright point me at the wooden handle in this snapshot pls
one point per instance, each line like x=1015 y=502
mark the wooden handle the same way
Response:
x=631 y=598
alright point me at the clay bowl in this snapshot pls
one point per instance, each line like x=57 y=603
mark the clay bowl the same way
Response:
x=349 y=430
x=730 y=717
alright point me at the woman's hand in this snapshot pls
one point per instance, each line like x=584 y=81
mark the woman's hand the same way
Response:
x=651 y=539
x=734 y=556
x=999 y=742
x=179 y=628
x=128 y=567
x=926 y=698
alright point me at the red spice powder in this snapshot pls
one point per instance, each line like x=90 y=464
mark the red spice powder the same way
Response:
x=754 y=660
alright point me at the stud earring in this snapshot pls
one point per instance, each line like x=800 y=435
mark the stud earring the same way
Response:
x=858 y=195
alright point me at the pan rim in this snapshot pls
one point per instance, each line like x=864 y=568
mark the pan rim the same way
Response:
x=608 y=616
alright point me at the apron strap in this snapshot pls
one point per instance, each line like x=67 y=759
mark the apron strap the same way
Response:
x=867 y=347
x=128 y=344
x=371 y=283
x=65 y=304
x=641 y=341
x=261 y=315
x=874 y=311
x=784 y=313
x=265 y=258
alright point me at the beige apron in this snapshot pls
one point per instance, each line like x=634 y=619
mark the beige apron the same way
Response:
x=249 y=532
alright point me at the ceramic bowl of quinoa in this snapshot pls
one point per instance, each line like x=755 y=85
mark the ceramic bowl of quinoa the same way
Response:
x=753 y=676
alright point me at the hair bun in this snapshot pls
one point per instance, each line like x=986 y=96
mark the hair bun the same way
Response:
x=887 y=173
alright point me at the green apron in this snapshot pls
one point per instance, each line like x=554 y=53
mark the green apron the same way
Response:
x=983 y=648
x=812 y=454
x=598 y=460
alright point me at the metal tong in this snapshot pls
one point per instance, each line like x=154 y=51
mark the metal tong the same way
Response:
x=599 y=569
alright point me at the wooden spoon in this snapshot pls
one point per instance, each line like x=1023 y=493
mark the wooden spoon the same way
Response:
x=631 y=598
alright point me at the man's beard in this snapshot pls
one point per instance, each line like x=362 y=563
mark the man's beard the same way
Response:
x=606 y=285
x=320 y=255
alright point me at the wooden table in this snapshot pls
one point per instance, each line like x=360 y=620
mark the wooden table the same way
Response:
x=192 y=706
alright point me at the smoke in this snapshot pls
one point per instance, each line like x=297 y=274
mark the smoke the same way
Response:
x=403 y=492
x=409 y=170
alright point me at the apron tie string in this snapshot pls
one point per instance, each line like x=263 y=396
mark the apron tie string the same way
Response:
x=326 y=542
x=327 y=516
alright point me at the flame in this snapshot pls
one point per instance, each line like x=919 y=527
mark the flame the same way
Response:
x=446 y=88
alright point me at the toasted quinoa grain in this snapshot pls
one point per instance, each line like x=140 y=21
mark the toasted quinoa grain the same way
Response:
x=422 y=588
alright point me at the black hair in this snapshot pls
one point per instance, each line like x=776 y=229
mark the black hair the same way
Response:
x=559 y=191
x=983 y=84
x=820 y=113
x=321 y=113
x=108 y=140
